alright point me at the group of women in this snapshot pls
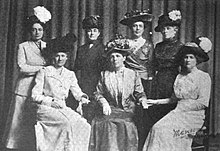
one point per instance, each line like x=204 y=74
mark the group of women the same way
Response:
x=109 y=83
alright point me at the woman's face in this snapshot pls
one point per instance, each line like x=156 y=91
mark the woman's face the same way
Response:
x=60 y=59
x=117 y=60
x=37 y=32
x=137 y=29
x=169 y=32
x=190 y=61
x=93 y=33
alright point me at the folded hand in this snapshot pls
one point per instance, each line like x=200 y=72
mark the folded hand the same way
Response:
x=56 y=105
x=84 y=100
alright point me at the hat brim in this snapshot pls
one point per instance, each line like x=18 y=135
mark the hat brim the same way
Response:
x=159 y=27
x=124 y=52
x=143 y=18
x=203 y=57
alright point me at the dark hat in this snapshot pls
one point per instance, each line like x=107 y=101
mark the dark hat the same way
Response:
x=61 y=44
x=200 y=48
x=135 y=16
x=93 y=21
x=173 y=18
x=118 y=44
x=32 y=20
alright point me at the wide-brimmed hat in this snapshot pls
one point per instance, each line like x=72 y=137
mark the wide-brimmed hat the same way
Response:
x=173 y=18
x=118 y=44
x=135 y=16
x=200 y=48
x=93 y=21
x=40 y=15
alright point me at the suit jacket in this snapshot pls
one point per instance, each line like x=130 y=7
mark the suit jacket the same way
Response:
x=51 y=85
x=131 y=91
x=90 y=62
x=29 y=60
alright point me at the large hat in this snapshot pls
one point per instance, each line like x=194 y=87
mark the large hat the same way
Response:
x=118 y=44
x=200 y=48
x=173 y=18
x=41 y=15
x=60 y=44
x=93 y=21
x=137 y=15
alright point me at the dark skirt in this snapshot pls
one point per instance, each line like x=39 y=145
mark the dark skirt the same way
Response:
x=115 y=132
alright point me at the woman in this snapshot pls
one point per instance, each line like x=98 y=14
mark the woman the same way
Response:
x=192 y=91
x=165 y=67
x=89 y=61
x=142 y=49
x=19 y=130
x=118 y=90
x=59 y=127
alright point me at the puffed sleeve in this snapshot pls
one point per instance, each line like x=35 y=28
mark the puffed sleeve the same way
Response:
x=75 y=89
x=37 y=91
x=138 y=87
x=22 y=62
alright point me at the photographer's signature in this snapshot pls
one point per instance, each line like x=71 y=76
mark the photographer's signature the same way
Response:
x=177 y=133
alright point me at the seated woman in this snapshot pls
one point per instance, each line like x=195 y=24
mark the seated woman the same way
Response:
x=117 y=92
x=192 y=91
x=58 y=127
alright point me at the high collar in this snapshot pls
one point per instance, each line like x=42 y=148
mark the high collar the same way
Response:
x=172 y=40
x=121 y=70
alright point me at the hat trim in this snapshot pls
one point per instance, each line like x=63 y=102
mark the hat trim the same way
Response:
x=130 y=20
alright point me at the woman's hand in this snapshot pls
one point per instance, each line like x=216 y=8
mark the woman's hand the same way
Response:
x=145 y=103
x=152 y=102
x=56 y=105
x=84 y=100
x=79 y=109
x=106 y=108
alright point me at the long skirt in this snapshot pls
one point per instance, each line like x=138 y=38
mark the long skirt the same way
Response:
x=61 y=130
x=115 y=132
x=19 y=129
x=174 y=131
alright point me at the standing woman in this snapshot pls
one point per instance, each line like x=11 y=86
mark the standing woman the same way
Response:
x=165 y=67
x=140 y=58
x=192 y=93
x=142 y=49
x=19 y=128
x=89 y=60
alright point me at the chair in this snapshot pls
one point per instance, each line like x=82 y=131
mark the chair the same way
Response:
x=201 y=138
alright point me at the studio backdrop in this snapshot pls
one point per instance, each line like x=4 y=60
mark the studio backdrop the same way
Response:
x=200 y=17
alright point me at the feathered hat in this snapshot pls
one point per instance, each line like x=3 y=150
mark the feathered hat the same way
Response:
x=137 y=15
x=173 y=18
x=41 y=15
x=200 y=48
x=118 y=44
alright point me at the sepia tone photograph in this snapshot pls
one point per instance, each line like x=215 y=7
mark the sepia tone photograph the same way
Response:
x=110 y=75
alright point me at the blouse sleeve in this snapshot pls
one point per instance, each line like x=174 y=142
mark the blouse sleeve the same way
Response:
x=99 y=94
x=37 y=91
x=75 y=89
x=22 y=63
x=150 y=67
x=138 y=88
x=205 y=89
